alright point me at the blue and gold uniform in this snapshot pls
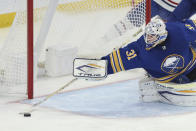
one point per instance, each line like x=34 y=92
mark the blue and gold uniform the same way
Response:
x=166 y=62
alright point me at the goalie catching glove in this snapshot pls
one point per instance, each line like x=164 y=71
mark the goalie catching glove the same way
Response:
x=93 y=69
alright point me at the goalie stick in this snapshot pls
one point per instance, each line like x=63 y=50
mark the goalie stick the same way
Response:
x=32 y=108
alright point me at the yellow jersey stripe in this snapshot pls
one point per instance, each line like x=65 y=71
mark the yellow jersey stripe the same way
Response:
x=112 y=63
x=120 y=60
x=116 y=61
x=194 y=57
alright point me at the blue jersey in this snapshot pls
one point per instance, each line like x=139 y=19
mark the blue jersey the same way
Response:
x=184 y=10
x=169 y=10
x=173 y=10
x=164 y=9
x=169 y=5
x=165 y=62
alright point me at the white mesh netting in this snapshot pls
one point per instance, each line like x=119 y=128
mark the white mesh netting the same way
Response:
x=80 y=23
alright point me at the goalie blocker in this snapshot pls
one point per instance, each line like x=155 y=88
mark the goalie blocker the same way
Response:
x=90 y=68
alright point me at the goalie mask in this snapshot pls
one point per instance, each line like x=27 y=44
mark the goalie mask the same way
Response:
x=155 y=33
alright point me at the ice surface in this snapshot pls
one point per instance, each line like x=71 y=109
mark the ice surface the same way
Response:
x=109 y=105
x=118 y=100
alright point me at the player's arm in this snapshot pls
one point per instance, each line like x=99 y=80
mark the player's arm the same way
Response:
x=184 y=10
x=119 y=60
x=123 y=59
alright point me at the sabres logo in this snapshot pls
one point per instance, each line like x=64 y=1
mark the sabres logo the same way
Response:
x=189 y=27
x=172 y=64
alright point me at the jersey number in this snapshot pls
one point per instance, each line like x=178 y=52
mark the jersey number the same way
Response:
x=130 y=54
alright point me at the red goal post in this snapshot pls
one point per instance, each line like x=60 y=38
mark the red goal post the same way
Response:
x=30 y=47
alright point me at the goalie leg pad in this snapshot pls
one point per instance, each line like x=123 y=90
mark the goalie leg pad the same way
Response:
x=147 y=90
x=177 y=94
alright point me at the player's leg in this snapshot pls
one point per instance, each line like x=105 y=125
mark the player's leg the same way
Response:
x=170 y=93
x=147 y=90
x=177 y=94
x=156 y=9
x=185 y=9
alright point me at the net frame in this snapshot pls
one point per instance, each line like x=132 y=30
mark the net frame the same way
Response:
x=30 y=54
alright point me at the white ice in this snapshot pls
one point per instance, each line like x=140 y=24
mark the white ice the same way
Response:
x=113 y=105
x=108 y=105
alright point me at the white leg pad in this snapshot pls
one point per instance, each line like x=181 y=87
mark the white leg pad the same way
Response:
x=147 y=90
x=170 y=93
x=177 y=94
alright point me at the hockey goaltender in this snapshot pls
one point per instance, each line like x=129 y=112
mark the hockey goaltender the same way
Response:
x=166 y=51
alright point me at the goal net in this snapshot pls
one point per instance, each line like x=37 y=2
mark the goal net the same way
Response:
x=78 y=23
